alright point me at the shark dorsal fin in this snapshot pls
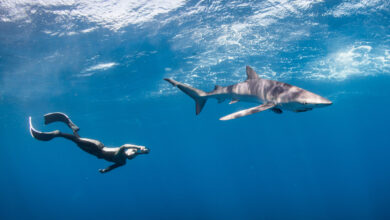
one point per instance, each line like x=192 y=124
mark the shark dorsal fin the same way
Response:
x=251 y=74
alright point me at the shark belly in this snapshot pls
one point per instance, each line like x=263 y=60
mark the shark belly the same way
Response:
x=294 y=107
x=248 y=98
x=237 y=96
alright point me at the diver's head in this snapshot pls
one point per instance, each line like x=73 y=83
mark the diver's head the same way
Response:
x=140 y=149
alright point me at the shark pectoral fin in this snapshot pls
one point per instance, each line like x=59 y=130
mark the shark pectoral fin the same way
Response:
x=248 y=111
x=233 y=101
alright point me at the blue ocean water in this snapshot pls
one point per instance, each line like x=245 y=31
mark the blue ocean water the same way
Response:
x=102 y=63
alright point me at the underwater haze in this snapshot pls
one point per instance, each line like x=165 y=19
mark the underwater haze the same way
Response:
x=103 y=63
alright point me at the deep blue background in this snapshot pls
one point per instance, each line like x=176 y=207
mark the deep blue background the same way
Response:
x=330 y=163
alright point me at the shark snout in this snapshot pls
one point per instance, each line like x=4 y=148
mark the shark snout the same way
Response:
x=323 y=102
x=316 y=101
x=326 y=101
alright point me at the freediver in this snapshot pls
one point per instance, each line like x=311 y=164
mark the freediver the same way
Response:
x=118 y=155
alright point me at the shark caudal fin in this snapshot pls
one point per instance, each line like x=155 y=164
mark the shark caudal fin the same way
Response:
x=198 y=95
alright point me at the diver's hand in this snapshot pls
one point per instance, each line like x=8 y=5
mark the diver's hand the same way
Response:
x=103 y=170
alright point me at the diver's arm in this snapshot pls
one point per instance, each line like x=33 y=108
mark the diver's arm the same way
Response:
x=115 y=165
x=132 y=146
x=120 y=151
x=137 y=149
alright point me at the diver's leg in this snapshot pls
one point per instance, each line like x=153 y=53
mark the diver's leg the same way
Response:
x=89 y=145
x=71 y=137
x=115 y=165
x=59 y=116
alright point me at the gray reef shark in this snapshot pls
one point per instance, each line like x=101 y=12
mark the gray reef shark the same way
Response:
x=273 y=95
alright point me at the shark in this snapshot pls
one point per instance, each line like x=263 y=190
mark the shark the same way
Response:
x=270 y=94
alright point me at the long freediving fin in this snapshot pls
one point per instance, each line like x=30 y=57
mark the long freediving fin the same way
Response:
x=248 y=111
x=42 y=136
x=59 y=116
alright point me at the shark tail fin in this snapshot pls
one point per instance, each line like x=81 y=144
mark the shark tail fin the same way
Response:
x=198 y=95
x=199 y=105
